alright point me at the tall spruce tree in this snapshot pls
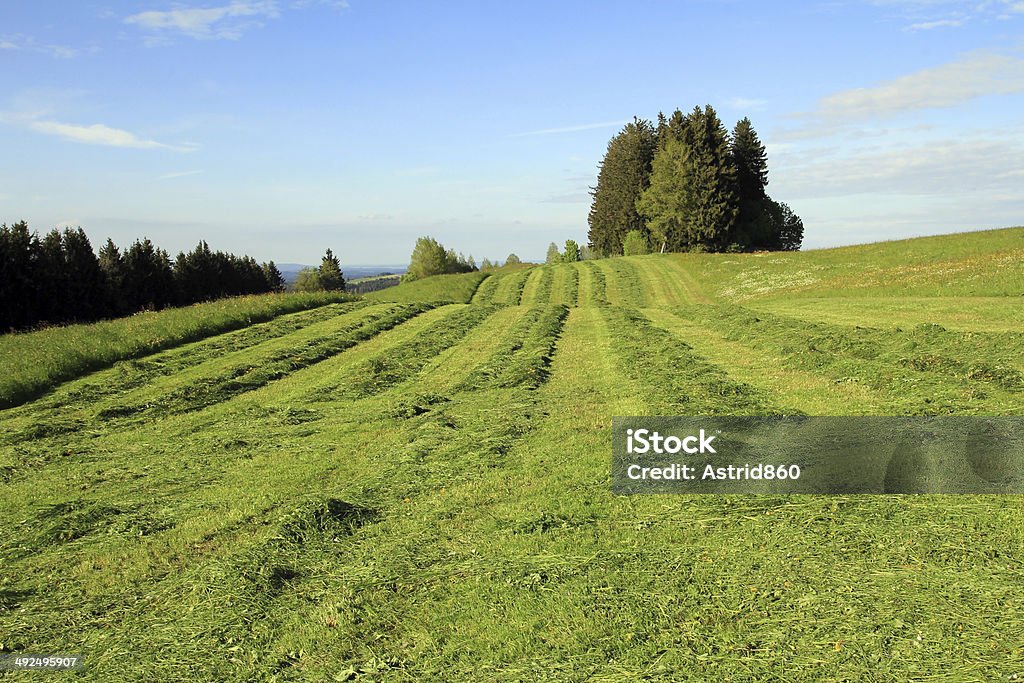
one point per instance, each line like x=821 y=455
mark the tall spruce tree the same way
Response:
x=624 y=174
x=54 y=286
x=272 y=275
x=754 y=220
x=19 y=275
x=87 y=285
x=691 y=201
x=331 y=278
x=668 y=202
x=148 y=277
x=112 y=266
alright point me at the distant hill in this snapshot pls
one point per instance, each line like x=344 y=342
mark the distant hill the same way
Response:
x=290 y=271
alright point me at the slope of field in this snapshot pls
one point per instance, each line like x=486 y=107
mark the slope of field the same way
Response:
x=417 y=487
x=36 y=361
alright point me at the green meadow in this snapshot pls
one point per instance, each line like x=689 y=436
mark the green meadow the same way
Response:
x=414 y=485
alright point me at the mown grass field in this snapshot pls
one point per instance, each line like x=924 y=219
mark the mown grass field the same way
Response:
x=416 y=486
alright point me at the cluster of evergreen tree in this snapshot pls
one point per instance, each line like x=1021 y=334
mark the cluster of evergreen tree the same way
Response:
x=58 y=278
x=687 y=184
x=429 y=257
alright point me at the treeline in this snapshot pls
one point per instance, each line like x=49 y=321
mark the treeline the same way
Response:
x=372 y=284
x=430 y=257
x=687 y=184
x=58 y=278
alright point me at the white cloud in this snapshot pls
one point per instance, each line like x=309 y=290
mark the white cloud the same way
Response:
x=22 y=43
x=930 y=14
x=944 y=169
x=99 y=134
x=571 y=129
x=941 y=23
x=227 y=22
x=973 y=75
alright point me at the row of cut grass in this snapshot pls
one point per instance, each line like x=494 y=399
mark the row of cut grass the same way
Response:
x=34 y=362
x=924 y=371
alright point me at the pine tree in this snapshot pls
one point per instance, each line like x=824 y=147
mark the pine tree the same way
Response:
x=572 y=252
x=87 y=286
x=54 y=303
x=19 y=280
x=275 y=281
x=691 y=200
x=668 y=203
x=553 y=255
x=148 y=279
x=330 y=274
x=753 y=221
x=112 y=266
x=624 y=174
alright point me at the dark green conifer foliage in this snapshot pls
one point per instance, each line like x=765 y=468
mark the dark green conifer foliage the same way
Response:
x=625 y=173
x=53 y=295
x=272 y=276
x=86 y=285
x=19 y=263
x=691 y=202
x=148 y=278
x=330 y=273
x=754 y=223
x=112 y=266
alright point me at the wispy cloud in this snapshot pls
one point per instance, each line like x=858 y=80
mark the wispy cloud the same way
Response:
x=20 y=43
x=178 y=174
x=99 y=134
x=226 y=22
x=949 y=168
x=941 y=23
x=975 y=74
x=571 y=129
x=931 y=14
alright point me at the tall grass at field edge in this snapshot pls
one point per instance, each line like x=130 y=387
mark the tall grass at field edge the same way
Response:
x=34 y=362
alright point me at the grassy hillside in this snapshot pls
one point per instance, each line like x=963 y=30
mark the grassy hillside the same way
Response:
x=35 y=361
x=447 y=288
x=409 y=489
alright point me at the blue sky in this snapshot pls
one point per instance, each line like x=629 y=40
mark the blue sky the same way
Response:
x=279 y=128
